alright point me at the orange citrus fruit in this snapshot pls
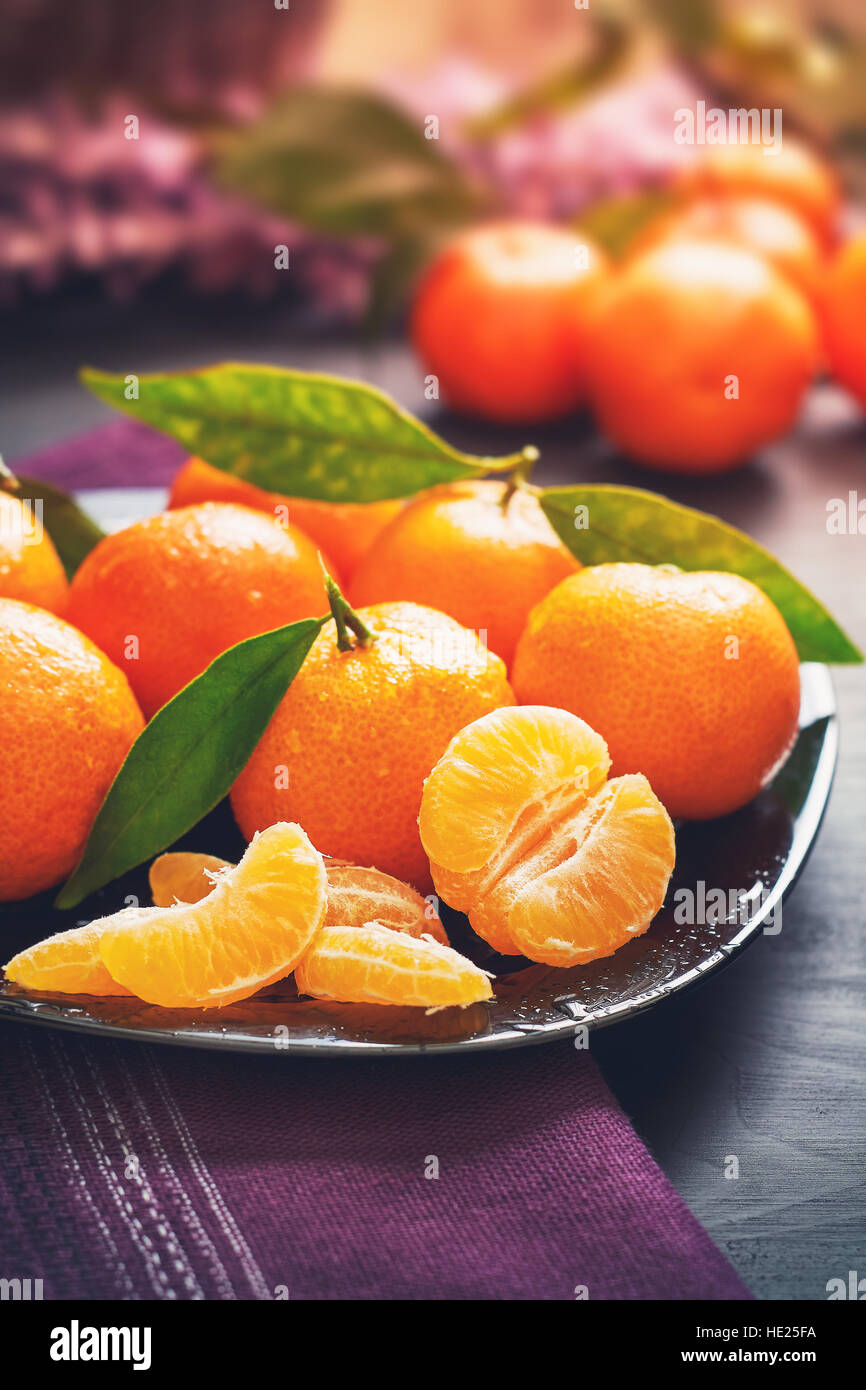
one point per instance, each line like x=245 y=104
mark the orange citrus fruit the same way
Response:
x=691 y=678
x=30 y=567
x=251 y=930
x=374 y=965
x=472 y=551
x=844 y=314
x=795 y=175
x=759 y=224
x=702 y=353
x=66 y=963
x=344 y=530
x=356 y=895
x=548 y=859
x=164 y=597
x=67 y=721
x=501 y=320
x=347 y=750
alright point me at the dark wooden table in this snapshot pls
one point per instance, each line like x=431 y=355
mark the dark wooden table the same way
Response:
x=768 y=1060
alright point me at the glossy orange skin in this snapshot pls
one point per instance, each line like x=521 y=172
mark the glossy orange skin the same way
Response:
x=188 y=584
x=693 y=679
x=770 y=228
x=344 y=530
x=795 y=176
x=844 y=316
x=348 y=748
x=67 y=720
x=675 y=327
x=30 y=568
x=459 y=549
x=502 y=318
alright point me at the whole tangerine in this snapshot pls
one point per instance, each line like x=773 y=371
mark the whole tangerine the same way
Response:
x=67 y=720
x=502 y=316
x=475 y=550
x=349 y=747
x=166 y=596
x=344 y=530
x=30 y=568
x=702 y=353
x=793 y=174
x=691 y=678
x=844 y=314
x=760 y=224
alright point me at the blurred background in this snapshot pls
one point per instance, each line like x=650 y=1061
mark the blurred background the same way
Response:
x=152 y=157
x=170 y=147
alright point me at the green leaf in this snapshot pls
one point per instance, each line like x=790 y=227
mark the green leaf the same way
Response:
x=624 y=523
x=186 y=759
x=73 y=532
x=344 y=162
x=296 y=432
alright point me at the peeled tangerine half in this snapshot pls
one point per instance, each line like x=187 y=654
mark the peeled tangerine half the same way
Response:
x=525 y=834
x=249 y=931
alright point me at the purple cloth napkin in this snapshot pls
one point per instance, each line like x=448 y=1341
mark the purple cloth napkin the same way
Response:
x=137 y=1172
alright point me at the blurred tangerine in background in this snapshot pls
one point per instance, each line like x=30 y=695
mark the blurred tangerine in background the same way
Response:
x=760 y=224
x=702 y=352
x=792 y=174
x=501 y=320
x=844 y=310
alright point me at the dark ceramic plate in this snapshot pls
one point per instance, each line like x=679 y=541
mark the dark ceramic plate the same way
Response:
x=748 y=861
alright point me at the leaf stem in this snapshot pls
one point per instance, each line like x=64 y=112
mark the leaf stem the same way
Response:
x=345 y=617
x=520 y=474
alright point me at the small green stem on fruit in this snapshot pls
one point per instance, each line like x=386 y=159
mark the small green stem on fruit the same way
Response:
x=520 y=474
x=345 y=617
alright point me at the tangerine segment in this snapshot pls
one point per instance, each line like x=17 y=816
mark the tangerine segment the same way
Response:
x=356 y=896
x=375 y=965
x=183 y=876
x=593 y=881
x=501 y=780
x=66 y=963
x=248 y=932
